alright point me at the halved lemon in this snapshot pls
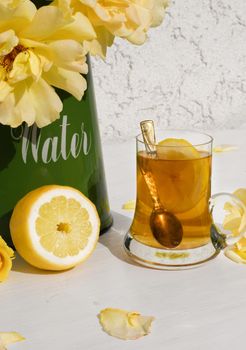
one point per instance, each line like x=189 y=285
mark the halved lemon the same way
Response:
x=55 y=227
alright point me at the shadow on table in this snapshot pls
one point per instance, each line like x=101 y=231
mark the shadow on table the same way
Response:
x=114 y=238
x=19 y=265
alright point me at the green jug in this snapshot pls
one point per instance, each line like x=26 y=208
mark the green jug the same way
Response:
x=67 y=152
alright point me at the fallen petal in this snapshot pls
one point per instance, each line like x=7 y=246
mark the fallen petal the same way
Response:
x=130 y=205
x=224 y=148
x=9 y=338
x=2 y=347
x=125 y=325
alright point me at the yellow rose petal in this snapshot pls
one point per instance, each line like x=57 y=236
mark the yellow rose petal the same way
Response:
x=98 y=47
x=26 y=104
x=235 y=255
x=241 y=194
x=23 y=9
x=8 y=40
x=6 y=256
x=4 y=245
x=49 y=22
x=5 y=89
x=158 y=12
x=46 y=22
x=241 y=244
x=224 y=148
x=232 y=220
x=126 y=325
x=235 y=219
x=9 y=338
x=25 y=65
x=2 y=347
x=73 y=58
x=237 y=252
x=130 y=205
x=80 y=29
x=67 y=80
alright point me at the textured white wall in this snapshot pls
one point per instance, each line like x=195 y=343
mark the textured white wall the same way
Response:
x=190 y=74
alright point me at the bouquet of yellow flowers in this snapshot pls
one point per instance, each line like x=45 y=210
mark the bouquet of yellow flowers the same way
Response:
x=45 y=47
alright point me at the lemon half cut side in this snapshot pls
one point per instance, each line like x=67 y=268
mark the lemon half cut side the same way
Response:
x=55 y=227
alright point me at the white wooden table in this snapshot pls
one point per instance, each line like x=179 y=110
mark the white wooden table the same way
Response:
x=198 y=309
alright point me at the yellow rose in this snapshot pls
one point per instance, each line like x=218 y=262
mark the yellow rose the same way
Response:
x=235 y=221
x=128 y=19
x=6 y=256
x=237 y=252
x=39 y=50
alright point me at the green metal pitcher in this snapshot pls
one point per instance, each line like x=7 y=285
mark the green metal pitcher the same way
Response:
x=67 y=152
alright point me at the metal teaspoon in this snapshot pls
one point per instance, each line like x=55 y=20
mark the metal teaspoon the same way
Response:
x=165 y=226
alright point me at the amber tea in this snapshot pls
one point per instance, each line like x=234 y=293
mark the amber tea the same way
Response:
x=172 y=222
x=182 y=178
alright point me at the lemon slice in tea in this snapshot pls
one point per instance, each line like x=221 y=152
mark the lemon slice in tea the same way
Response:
x=177 y=149
x=183 y=174
x=55 y=227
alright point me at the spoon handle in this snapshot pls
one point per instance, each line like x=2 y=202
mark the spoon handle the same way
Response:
x=150 y=182
x=148 y=132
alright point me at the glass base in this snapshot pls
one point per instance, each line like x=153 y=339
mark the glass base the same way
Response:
x=166 y=259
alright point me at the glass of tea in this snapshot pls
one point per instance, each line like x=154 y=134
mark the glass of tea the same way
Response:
x=175 y=173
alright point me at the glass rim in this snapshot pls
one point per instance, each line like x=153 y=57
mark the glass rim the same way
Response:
x=210 y=139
